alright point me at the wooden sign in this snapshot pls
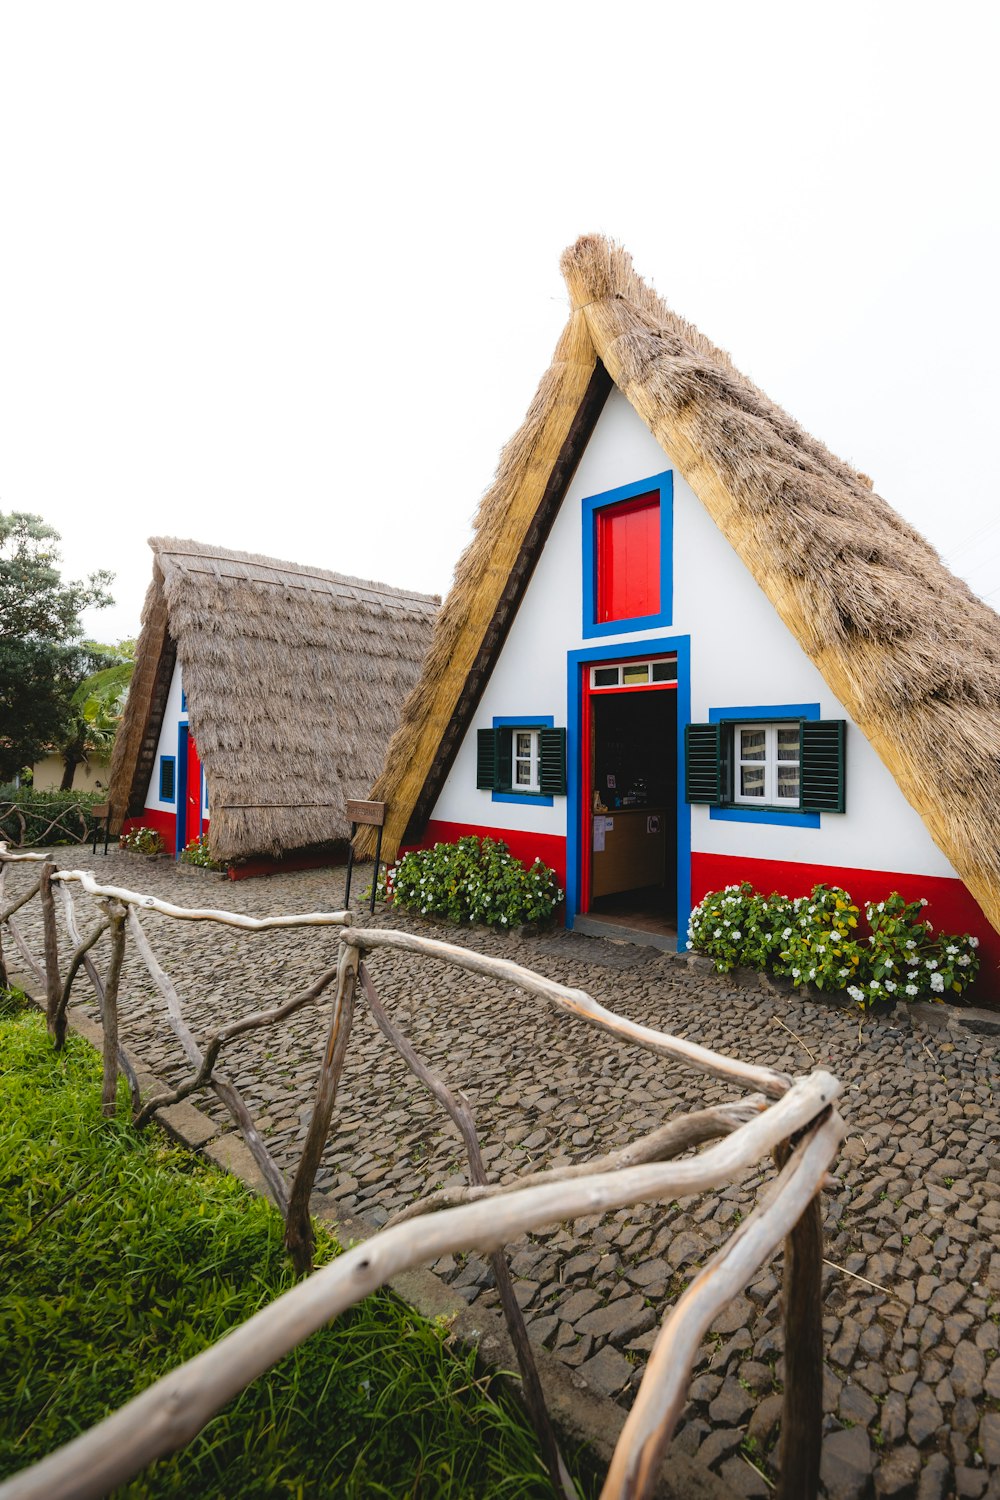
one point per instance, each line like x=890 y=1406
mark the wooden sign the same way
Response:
x=371 y=814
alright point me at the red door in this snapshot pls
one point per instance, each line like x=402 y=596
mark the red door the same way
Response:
x=192 y=810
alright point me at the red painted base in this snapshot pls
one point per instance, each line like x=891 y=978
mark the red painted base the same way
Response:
x=252 y=868
x=950 y=907
x=165 y=824
x=527 y=847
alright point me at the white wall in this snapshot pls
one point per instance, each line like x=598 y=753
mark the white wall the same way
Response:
x=741 y=653
x=167 y=744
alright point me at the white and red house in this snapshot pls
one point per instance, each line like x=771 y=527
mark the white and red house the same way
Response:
x=641 y=710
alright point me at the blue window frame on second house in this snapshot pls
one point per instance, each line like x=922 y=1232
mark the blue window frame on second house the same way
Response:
x=628 y=536
x=168 y=778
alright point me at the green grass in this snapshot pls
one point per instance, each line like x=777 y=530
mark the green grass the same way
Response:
x=122 y=1256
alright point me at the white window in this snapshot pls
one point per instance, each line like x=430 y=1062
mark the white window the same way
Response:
x=766 y=765
x=524 y=760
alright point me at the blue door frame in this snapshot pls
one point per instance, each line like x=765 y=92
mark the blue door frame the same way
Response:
x=588 y=656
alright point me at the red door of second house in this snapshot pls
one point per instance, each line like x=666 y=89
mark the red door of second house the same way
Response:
x=192 y=810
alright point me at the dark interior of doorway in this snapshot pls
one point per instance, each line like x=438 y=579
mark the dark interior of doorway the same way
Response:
x=634 y=770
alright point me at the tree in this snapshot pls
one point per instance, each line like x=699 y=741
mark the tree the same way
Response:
x=41 y=660
x=95 y=708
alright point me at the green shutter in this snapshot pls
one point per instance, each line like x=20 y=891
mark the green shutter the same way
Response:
x=552 y=762
x=485 y=759
x=504 y=737
x=703 y=763
x=823 y=753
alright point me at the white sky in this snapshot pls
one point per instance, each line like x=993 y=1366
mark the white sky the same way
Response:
x=284 y=277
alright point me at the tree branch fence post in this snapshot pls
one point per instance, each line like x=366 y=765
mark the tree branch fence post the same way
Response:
x=802 y=1409
x=109 y=1088
x=459 y=1110
x=298 y=1229
x=53 y=984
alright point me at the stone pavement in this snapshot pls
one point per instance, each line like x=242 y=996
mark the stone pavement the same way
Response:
x=912 y=1291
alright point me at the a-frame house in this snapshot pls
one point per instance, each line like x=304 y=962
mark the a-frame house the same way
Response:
x=688 y=646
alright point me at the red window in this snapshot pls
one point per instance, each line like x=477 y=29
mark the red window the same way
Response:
x=628 y=559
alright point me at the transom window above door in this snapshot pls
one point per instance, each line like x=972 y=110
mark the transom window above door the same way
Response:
x=634 y=674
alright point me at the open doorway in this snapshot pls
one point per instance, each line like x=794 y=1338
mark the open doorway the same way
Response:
x=630 y=806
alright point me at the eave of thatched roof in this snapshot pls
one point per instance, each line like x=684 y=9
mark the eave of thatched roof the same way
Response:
x=907 y=648
x=294 y=680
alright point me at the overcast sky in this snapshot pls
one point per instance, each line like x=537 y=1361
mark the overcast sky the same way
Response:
x=284 y=277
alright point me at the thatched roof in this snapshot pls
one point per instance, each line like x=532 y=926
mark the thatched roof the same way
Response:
x=908 y=649
x=294 y=680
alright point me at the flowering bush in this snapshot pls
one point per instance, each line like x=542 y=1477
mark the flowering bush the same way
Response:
x=141 y=841
x=907 y=962
x=739 y=926
x=820 y=946
x=475 y=880
x=814 y=939
x=197 y=853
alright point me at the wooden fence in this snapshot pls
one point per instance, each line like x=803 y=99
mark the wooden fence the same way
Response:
x=792 y=1121
x=34 y=822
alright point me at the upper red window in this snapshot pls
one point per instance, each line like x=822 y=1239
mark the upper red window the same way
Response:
x=628 y=558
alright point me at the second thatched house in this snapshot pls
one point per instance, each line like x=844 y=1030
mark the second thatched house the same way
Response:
x=264 y=695
x=688 y=646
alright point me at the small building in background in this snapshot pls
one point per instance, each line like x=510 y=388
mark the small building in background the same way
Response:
x=264 y=695
x=90 y=775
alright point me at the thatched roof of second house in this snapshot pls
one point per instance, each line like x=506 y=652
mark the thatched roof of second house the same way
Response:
x=294 y=679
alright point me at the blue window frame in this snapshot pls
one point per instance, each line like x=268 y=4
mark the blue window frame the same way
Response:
x=515 y=722
x=767 y=713
x=591 y=506
x=168 y=778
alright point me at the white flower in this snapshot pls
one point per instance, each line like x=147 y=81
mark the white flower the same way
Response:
x=881 y=906
x=796 y=973
x=911 y=989
x=690 y=944
x=923 y=901
x=718 y=932
x=842 y=973
x=854 y=992
x=973 y=942
x=737 y=933
x=951 y=949
x=965 y=960
x=932 y=963
x=911 y=943
x=838 y=936
x=786 y=934
x=937 y=983
x=890 y=985
x=820 y=947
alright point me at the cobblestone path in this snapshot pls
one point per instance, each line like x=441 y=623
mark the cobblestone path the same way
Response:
x=912 y=1297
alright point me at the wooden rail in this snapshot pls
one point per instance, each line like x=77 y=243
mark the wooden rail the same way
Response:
x=793 y=1121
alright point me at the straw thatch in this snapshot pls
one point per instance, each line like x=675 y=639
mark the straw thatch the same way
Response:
x=908 y=649
x=294 y=680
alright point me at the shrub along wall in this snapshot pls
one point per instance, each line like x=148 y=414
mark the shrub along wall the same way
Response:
x=820 y=940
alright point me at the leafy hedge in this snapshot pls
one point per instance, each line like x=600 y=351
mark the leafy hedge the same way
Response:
x=38 y=810
x=815 y=940
x=475 y=880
